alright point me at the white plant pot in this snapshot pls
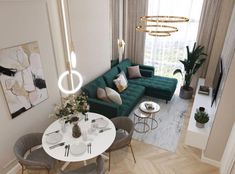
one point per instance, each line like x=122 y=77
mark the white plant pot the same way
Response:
x=200 y=125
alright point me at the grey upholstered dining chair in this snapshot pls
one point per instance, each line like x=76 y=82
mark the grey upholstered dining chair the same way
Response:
x=29 y=158
x=93 y=168
x=125 y=129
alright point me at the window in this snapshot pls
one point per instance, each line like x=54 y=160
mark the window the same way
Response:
x=164 y=53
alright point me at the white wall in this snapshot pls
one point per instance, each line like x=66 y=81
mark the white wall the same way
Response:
x=224 y=117
x=221 y=30
x=233 y=170
x=91 y=36
x=228 y=159
x=21 y=22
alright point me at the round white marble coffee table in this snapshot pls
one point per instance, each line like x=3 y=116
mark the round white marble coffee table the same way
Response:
x=143 y=113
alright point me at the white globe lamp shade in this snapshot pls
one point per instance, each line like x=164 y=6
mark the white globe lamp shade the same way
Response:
x=72 y=91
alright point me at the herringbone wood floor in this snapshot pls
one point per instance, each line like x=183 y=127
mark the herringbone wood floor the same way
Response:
x=153 y=160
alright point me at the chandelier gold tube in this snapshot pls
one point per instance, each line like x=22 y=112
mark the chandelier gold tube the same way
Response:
x=170 y=19
x=165 y=28
x=153 y=28
x=159 y=34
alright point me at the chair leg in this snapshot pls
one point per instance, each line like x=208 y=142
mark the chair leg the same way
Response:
x=132 y=153
x=22 y=168
x=109 y=159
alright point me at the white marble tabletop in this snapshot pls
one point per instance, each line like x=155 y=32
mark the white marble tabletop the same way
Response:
x=100 y=141
x=155 y=106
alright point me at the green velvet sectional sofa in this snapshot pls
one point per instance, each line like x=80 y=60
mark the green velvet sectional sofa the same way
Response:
x=148 y=84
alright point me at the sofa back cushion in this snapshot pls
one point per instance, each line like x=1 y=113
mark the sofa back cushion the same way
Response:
x=91 y=88
x=99 y=82
x=109 y=76
x=124 y=65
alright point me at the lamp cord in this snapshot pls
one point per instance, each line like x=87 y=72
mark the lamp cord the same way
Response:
x=70 y=28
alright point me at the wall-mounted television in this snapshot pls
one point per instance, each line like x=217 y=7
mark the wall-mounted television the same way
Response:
x=217 y=81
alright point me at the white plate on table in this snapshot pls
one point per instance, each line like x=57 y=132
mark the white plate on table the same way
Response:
x=101 y=123
x=54 y=138
x=78 y=149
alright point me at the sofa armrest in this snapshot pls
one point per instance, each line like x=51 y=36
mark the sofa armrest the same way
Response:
x=146 y=73
x=107 y=109
x=147 y=67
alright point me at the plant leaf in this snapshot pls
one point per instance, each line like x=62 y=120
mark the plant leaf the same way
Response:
x=178 y=71
x=198 y=64
x=195 y=59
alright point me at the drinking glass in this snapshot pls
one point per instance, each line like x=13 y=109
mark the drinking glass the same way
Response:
x=93 y=128
x=62 y=124
x=84 y=134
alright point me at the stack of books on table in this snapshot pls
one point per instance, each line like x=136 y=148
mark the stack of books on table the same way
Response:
x=204 y=90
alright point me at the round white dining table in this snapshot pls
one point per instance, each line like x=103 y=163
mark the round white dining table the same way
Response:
x=100 y=142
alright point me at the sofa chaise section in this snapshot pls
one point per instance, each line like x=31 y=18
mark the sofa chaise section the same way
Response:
x=157 y=86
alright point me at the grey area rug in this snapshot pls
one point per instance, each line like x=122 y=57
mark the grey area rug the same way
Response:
x=170 y=120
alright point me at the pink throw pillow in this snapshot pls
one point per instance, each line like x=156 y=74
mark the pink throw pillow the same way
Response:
x=134 y=72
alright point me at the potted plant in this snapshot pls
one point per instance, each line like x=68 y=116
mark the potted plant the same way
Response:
x=68 y=111
x=71 y=106
x=191 y=65
x=201 y=118
x=82 y=104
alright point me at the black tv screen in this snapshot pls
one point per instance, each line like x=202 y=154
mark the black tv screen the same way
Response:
x=217 y=80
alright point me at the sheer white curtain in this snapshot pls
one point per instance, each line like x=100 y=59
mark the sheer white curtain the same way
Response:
x=164 y=53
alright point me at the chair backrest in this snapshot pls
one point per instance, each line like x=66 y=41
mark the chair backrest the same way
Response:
x=124 y=123
x=98 y=168
x=25 y=143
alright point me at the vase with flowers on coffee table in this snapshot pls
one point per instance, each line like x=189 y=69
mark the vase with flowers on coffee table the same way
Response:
x=146 y=112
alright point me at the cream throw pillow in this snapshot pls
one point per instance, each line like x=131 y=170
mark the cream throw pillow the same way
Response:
x=101 y=94
x=121 y=82
x=113 y=95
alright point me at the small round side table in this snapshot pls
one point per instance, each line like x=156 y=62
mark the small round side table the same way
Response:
x=142 y=120
x=144 y=113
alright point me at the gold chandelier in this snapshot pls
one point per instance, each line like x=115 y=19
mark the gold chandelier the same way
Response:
x=155 y=29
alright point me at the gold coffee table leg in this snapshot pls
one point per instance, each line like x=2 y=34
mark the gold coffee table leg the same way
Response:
x=153 y=120
x=142 y=119
x=146 y=127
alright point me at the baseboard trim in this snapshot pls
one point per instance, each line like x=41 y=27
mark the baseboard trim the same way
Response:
x=15 y=169
x=210 y=161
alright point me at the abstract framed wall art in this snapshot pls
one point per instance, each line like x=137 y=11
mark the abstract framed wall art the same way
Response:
x=22 y=77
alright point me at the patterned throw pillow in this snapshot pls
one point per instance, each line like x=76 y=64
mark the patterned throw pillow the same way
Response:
x=113 y=95
x=121 y=82
x=134 y=72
